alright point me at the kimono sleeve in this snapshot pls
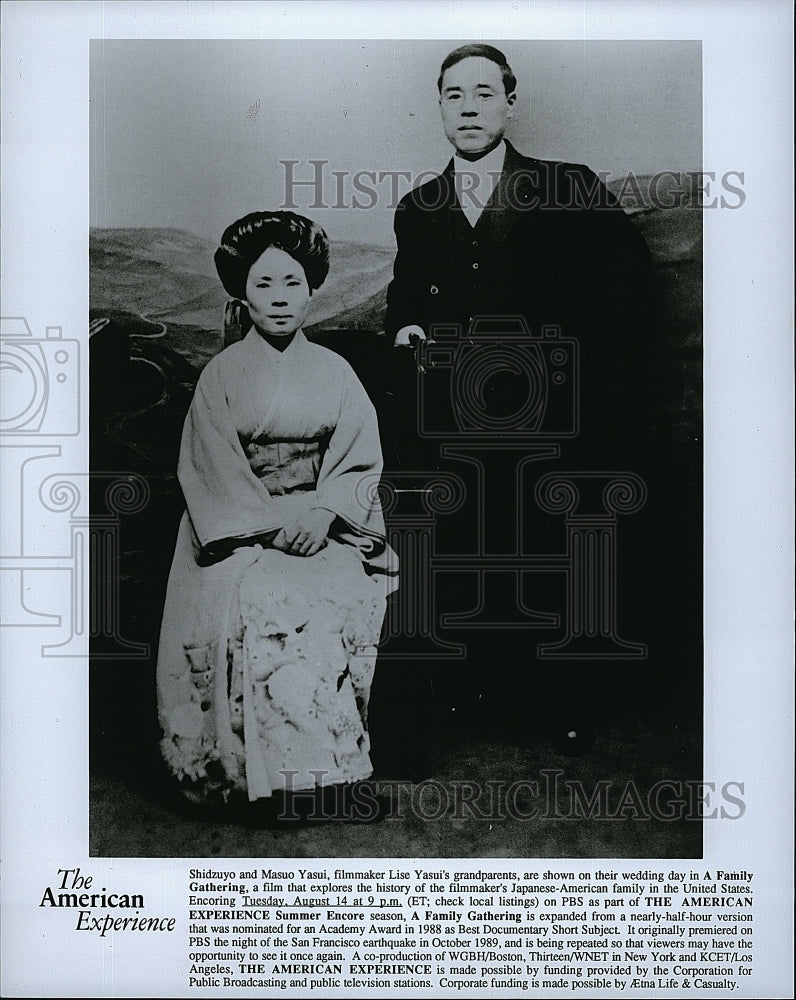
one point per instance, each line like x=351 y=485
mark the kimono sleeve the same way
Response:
x=224 y=498
x=349 y=474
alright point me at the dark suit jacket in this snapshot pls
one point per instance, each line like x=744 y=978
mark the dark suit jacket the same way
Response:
x=551 y=246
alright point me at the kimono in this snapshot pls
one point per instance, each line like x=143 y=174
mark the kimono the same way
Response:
x=266 y=659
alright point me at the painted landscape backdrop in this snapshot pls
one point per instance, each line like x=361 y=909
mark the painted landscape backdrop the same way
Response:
x=160 y=290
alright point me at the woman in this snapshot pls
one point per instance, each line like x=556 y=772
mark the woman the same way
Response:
x=277 y=590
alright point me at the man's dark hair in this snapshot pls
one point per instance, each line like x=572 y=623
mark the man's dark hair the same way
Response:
x=480 y=52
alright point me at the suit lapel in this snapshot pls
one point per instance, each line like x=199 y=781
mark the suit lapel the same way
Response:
x=450 y=205
x=516 y=192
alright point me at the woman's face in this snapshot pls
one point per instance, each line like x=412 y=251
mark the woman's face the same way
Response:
x=277 y=293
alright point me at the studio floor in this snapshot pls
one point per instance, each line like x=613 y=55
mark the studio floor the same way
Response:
x=499 y=794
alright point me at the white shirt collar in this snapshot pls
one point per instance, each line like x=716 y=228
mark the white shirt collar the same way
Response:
x=491 y=164
x=476 y=180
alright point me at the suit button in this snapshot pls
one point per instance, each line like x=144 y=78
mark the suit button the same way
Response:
x=475 y=243
x=434 y=290
x=475 y=266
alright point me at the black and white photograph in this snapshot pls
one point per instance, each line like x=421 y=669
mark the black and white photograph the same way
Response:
x=400 y=342
x=396 y=572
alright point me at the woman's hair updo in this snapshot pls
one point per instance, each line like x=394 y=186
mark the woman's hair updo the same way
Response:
x=247 y=239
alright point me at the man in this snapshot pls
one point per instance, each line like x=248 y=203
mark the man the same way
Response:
x=499 y=234
x=498 y=257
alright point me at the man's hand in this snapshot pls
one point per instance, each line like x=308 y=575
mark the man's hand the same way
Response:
x=408 y=336
x=306 y=534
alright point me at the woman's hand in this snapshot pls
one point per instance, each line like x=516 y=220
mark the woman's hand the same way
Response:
x=306 y=534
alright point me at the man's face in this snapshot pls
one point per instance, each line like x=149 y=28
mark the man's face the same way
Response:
x=475 y=106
